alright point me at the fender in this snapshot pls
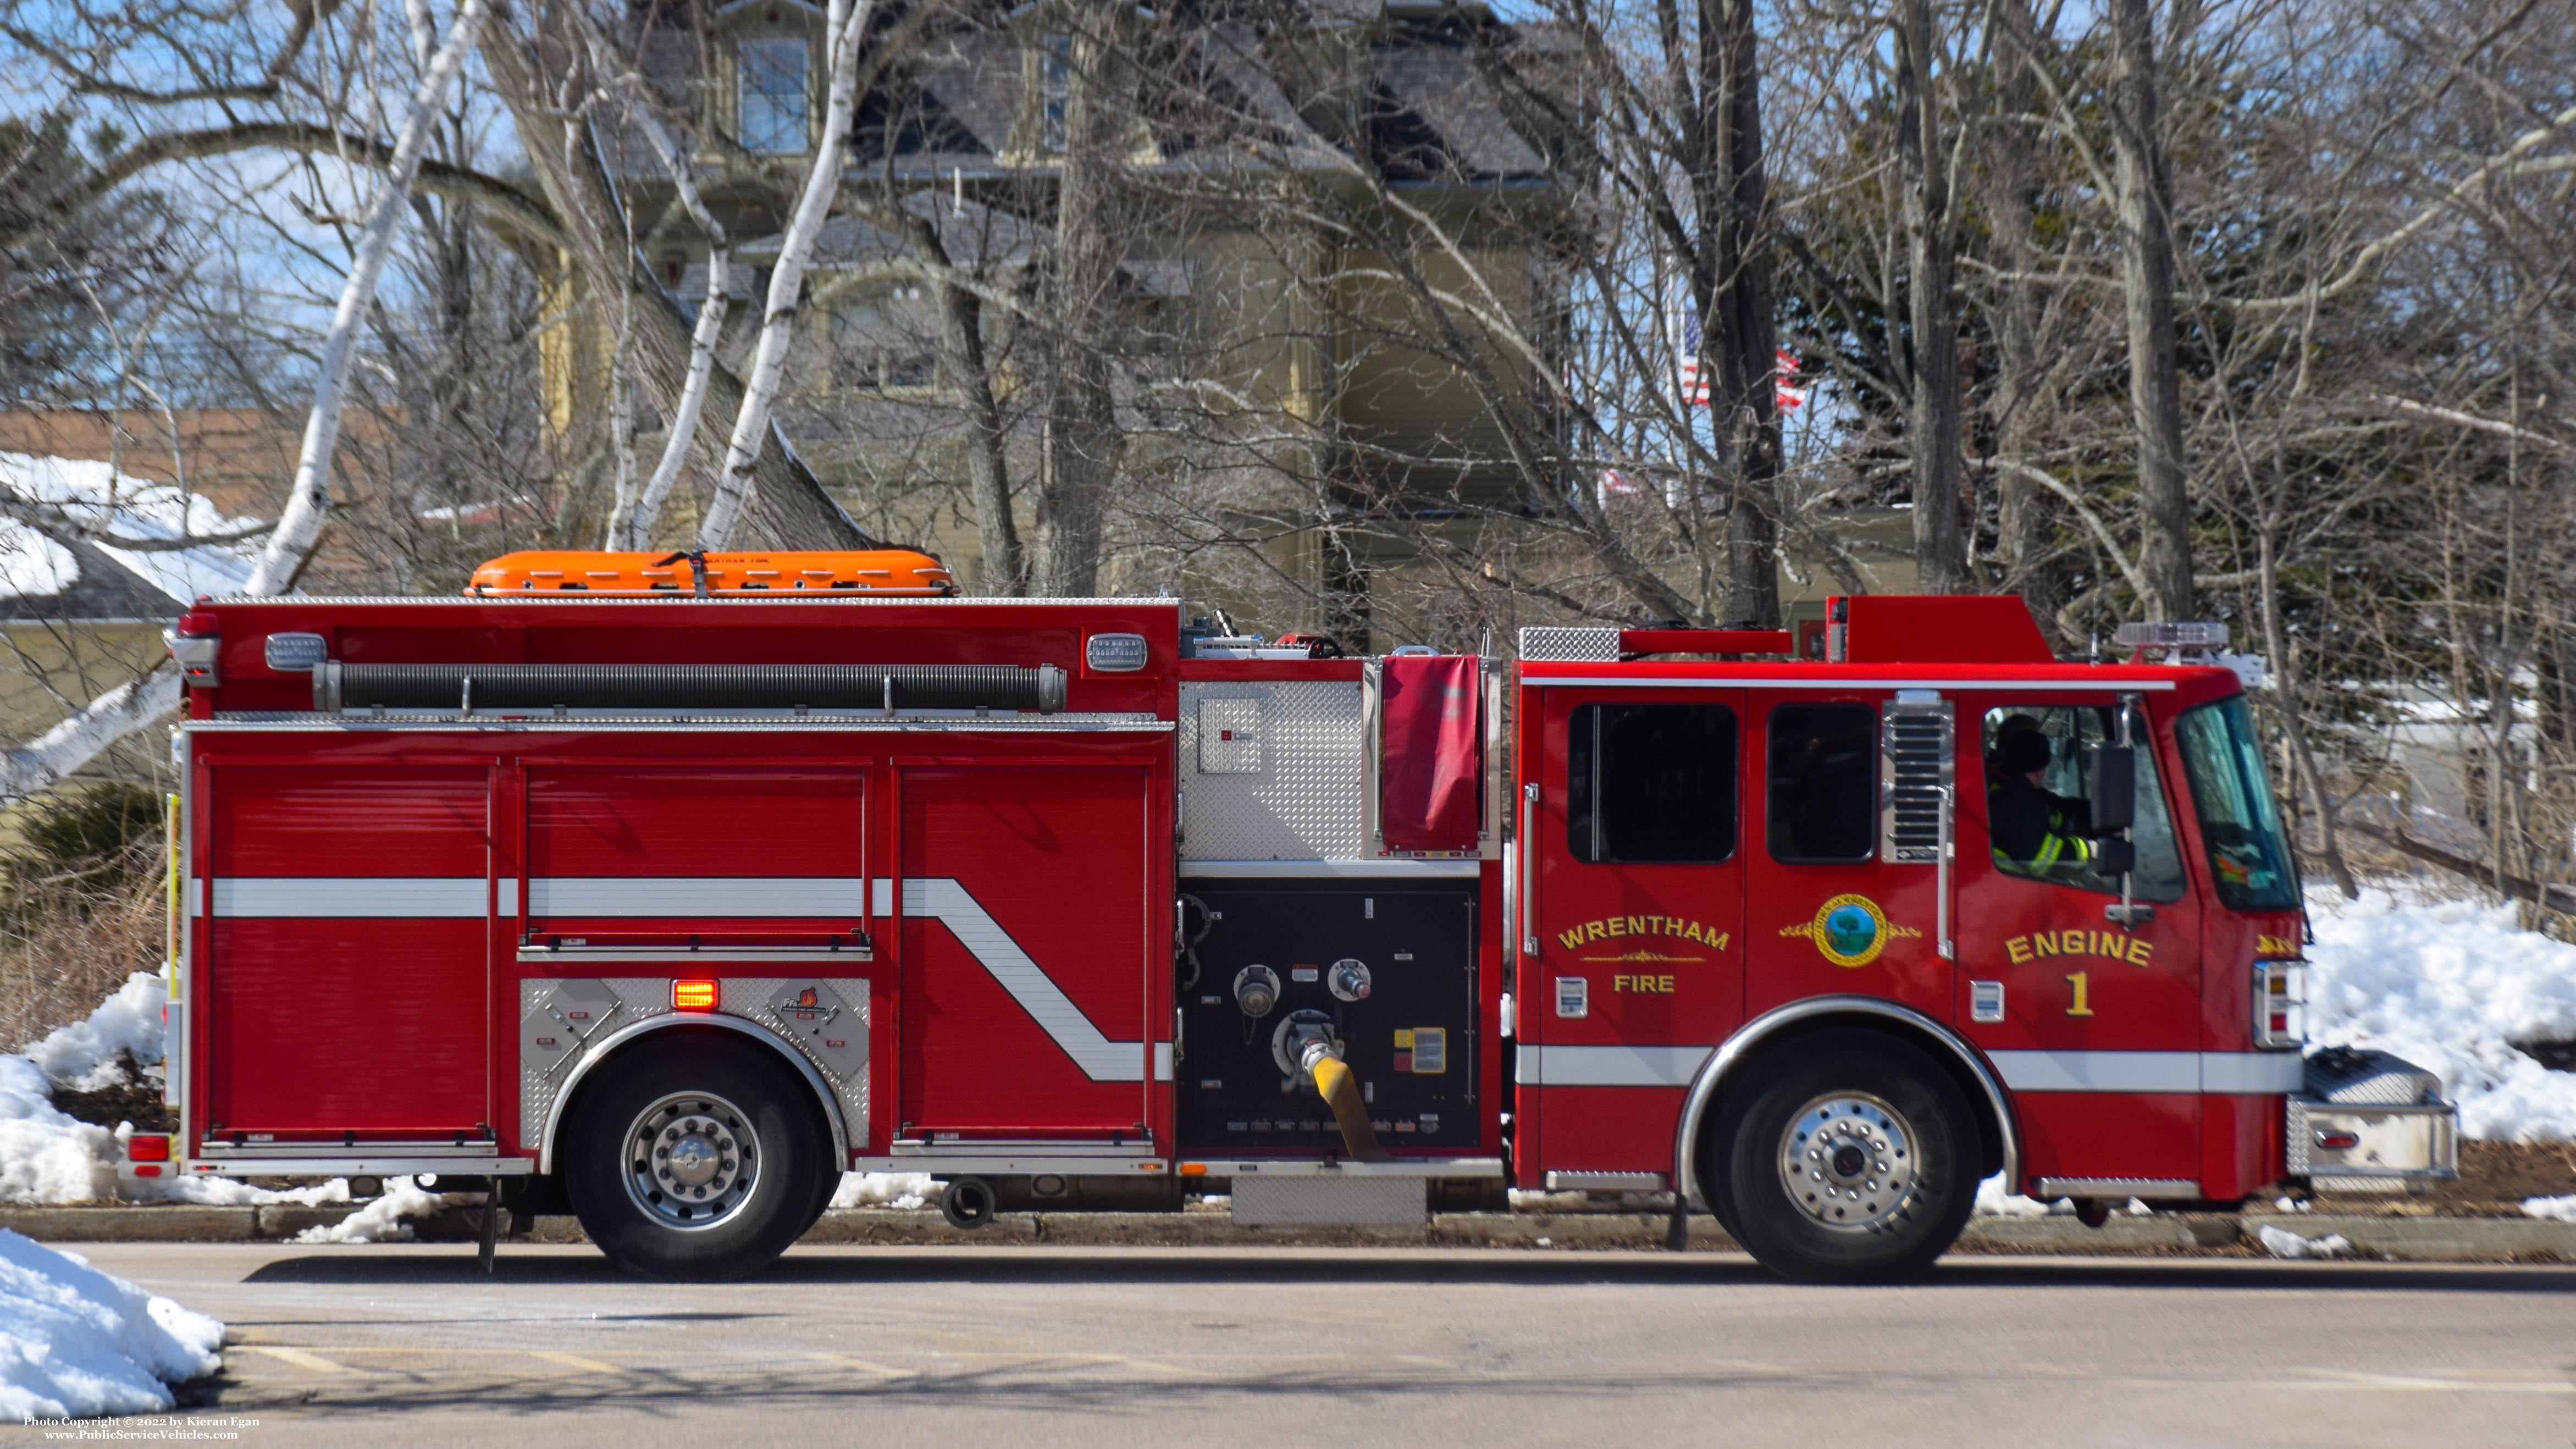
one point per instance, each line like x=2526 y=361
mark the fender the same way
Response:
x=813 y=1079
x=1760 y=1029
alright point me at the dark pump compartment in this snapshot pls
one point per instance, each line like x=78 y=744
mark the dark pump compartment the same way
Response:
x=1410 y=1040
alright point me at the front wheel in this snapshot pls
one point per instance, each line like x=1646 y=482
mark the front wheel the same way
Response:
x=694 y=1159
x=1846 y=1157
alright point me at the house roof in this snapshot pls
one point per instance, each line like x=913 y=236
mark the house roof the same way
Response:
x=79 y=540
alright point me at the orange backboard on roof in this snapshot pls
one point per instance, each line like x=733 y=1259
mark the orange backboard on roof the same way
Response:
x=898 y=571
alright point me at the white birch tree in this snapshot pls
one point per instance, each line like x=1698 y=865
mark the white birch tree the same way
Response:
x=847 y=24
x=131 y=706
x=631 y=518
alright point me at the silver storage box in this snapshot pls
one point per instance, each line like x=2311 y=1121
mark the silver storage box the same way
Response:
x=2366 y=1121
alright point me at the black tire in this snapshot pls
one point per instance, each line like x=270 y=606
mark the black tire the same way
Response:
x=826 y=1183
x=1845 y=1102
x=723 y=1102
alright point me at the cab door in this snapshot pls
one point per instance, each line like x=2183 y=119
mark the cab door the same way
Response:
x=2089 y=1011
x=1629 y=974
x=1844 y=884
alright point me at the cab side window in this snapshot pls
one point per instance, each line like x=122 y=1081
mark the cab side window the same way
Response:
x=1650 y=783
x=1822 y=787
x=2038 y=821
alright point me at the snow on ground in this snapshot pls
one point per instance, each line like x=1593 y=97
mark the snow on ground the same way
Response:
x=76 y=1342
x=902 y=1191
x=388 y=1218
x=2282 y=1243
x=2450 y=986
x=2556 y=1209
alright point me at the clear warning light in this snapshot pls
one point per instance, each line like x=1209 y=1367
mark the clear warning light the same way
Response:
x=693 y=996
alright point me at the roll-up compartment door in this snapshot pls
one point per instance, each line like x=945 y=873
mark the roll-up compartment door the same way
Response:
x=345 y=979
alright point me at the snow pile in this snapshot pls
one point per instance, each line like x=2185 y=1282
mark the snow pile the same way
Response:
x=388 y=1218
x=902 y=1191
x=2282 y=1243
x=46 y=1156
x=2450 y=986
x=2556 y=1209
x=89 y=495
x=84 y=1055
x=76 y=1342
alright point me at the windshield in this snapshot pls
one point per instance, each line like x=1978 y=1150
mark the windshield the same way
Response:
x=2237 y=817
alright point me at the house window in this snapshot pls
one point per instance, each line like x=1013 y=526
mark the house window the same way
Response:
x=773 y=95
x=1055 y=74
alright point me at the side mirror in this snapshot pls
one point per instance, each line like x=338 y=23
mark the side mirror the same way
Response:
x=2111 y=786
x=2114 y=857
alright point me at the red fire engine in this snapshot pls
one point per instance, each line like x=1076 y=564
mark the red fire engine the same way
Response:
x=671 y=909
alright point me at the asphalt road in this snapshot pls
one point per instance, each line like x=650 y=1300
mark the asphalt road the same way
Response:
x=1327 y=1348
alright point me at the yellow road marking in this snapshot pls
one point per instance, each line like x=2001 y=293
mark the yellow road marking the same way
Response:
x=863 y=1365
x=300 y=1358
x=576 y=1361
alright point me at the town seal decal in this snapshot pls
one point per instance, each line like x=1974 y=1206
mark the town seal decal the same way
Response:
x=1849 y=930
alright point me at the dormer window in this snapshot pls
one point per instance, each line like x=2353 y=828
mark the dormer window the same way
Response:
x=774 y=108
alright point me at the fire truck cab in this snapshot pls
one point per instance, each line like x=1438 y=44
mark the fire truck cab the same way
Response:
x=669 y=910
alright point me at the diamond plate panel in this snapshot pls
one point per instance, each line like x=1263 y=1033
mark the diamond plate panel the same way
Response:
x=1307 y=797
x=546 y=1007
x=1570 y=646
x=1390 y=1202
x=827 y=1020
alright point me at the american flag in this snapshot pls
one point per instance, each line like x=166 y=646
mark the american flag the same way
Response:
x=1787 y=397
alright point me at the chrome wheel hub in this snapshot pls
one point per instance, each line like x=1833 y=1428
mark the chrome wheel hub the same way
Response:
x=1849 y=1161
x=692 y=1160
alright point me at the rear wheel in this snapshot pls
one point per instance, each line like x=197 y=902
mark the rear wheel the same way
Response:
x=1847 y=1157
x=694 y=1159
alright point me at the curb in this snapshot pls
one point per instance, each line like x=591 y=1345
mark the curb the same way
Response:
x=2406 y=1239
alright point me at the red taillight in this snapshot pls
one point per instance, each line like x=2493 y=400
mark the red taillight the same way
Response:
x=149 y=1169
x=2337 y=1141
x=147 y=1147
x=194 y=642
x=693 y=996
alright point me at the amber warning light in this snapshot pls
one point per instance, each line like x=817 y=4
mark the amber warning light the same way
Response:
x=693 y=996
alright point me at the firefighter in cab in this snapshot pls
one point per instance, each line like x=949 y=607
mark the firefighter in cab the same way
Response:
x=2035 y=831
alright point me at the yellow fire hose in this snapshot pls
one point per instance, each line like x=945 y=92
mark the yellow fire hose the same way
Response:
x=1342 y=1093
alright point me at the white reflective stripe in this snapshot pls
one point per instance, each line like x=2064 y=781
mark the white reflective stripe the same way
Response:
x=2196 y=1072
x=2098 y=1071
x=1607 y=1066
x=1828 y=681
x=509 y=905
x=1162 y=1061
x=293 y=896
x=2252 y=1073
x=951 y=905
x=2022 y=1071
x=1328 y=869
x=196 y=895
x=683 y=895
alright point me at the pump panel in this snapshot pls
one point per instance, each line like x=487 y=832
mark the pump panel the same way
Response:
x=1387 y=965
